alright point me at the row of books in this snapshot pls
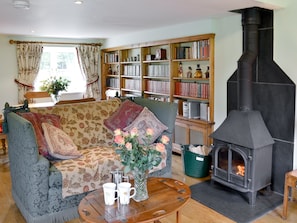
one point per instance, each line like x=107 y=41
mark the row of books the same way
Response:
x=196 y=110
x=113 y=82
x=159 y=70
x=111 y=57
x=133 y=84
x=132 y=70
x=162 y=87
x=198 y=50
x=191 y=89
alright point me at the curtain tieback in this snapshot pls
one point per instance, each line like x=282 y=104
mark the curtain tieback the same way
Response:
x=88 y=84
x=24 y=85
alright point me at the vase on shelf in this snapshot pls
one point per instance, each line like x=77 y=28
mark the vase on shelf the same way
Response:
x=140 y=184
x=56 y=97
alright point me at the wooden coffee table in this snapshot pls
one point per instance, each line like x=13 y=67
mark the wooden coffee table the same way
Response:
x=166 y=196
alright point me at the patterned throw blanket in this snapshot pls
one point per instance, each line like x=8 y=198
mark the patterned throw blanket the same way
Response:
x=88 y=172
x=91 y=170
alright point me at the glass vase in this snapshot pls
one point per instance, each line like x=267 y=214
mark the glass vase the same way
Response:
x=56 y=97
x=140 y=184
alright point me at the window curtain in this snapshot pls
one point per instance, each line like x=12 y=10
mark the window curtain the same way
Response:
x=88 y=57
x=28 y=60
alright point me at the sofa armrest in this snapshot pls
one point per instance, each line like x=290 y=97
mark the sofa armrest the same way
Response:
x=166 y=113
x=29 y=171
x=38 y=182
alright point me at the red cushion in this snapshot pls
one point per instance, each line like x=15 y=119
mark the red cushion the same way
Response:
x=123 y=116
x=36 y=119
x=48 y=118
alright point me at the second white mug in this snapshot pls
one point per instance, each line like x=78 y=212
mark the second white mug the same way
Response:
x=124 y=192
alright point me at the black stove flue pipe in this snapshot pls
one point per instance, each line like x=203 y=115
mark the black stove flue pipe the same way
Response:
x=247 y=62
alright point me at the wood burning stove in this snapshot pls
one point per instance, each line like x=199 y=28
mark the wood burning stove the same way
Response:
x=244 y=169
x=242 y=153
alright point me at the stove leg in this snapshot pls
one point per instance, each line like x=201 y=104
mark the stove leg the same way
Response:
x=252 y=197
x=266 y=191
x=211 y=182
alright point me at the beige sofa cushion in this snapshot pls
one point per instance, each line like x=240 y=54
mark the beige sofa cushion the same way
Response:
x=84 y=122
x=60 y=145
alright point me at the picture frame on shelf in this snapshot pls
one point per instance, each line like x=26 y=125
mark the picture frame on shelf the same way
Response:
x=160 y=54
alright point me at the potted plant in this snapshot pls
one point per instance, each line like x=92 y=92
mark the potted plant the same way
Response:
x=54 y=85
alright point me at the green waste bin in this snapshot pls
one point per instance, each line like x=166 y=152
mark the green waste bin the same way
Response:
x=195 y=165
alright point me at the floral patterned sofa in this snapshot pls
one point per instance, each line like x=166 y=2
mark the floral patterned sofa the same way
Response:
x=38 y=185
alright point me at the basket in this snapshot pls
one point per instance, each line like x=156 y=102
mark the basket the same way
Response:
x=195 y=165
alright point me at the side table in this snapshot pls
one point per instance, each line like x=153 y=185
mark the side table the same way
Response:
x=290 y=183
x=166 y=196
x=2 y=138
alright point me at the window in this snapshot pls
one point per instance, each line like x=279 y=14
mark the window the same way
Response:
x=61 y=62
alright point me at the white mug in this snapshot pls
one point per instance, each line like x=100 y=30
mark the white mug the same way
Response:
x=109 y=190
x=124 y=191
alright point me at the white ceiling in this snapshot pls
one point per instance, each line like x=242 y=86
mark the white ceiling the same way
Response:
x=108 y=18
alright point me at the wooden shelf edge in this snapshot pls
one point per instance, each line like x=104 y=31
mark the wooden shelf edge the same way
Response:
x=155 y=93
x=191 y=98
x=200 y=121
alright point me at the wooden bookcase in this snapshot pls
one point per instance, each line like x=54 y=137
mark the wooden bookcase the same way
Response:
x=152 y=70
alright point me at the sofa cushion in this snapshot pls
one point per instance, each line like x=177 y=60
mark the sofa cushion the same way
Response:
x=123 y=116
x=158 y=108
x=59 y=143
x=36 y=121
x=84 y=122
x=146 y=119
x=49 y=118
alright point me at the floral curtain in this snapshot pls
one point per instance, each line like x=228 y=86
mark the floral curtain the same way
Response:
x=88 y=57
x=28 y=60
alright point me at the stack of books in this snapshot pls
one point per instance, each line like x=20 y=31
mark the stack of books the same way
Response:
x=195 y=110
x=198 y=50
x=199 y=90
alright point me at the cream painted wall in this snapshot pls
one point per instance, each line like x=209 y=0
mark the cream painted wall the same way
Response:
x=188 y=29
x=8 y=72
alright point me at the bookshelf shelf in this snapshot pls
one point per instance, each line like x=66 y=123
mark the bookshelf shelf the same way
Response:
x=156 y=61
x=190 y=60
x=190 y=98
x=152 y=70
x=131 y=62
x=156 y=78
x=130 y=90
x=112 y=76
x=194 y=120
x=191 y=79
x=130 y=77
x=156 y=93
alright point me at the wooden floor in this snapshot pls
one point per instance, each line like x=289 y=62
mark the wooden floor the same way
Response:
x=193 y=212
